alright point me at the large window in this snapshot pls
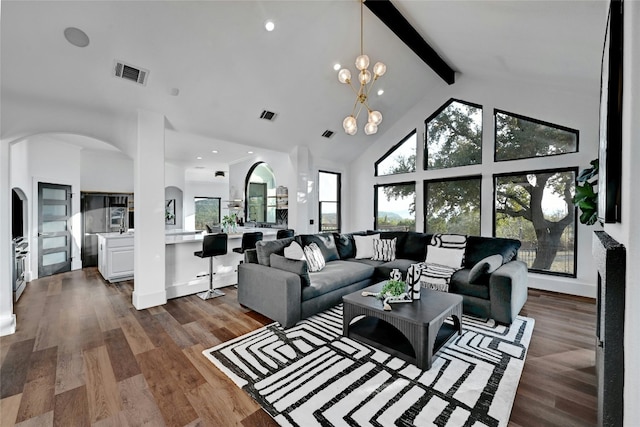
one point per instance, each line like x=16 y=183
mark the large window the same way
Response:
x=329 y=200
x=400 y=159
x=454 y=136
x=536 y=208
x=519 y=137
x=395 y=206
x=453 y=205
x=207 y=211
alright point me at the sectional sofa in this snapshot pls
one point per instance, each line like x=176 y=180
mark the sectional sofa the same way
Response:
x=489 y=277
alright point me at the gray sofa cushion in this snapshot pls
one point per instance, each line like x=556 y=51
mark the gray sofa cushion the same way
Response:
x=366 y=261
x=296 y=266
x=384 y=270
x=479 y=248
x=459 y=284
x=485 y=266
x=264 y=249
x=325 y=242
x=415 y=246
x=345 y=244
x=335 y=275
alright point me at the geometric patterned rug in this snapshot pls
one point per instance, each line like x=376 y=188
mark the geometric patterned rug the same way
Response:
x=310 y=375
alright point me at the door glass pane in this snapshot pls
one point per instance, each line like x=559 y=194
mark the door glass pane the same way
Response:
x=54 y=210
x=53 y=226
x=54 y=194
x=54 y=242
x=54 y=258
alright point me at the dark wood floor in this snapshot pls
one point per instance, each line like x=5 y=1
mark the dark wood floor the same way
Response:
x=83 y=355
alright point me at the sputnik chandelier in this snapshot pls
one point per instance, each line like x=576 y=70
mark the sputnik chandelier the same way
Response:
x=350 y=123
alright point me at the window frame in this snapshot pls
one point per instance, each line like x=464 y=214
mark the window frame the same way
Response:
x=339 y=202
x=375 y=199
x=195 y=206
x=425 y=152
x=573 y=169
x=536 y=121
x=393 y=149
x=449 y=179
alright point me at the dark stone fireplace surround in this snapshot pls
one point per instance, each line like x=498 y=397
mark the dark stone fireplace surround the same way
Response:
x=610 y=258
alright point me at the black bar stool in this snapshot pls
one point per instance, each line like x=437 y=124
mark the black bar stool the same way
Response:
x=282 y=234
x=249 y=241
x=212 y=245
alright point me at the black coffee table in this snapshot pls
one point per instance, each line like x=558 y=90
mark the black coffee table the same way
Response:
x=413 y=331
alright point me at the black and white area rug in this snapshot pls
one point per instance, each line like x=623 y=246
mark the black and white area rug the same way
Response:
x=310 y=375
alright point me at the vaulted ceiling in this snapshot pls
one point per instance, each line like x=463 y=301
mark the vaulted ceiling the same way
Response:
x=228 y=68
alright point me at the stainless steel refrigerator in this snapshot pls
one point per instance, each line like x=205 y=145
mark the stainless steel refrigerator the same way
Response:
x=102 y=213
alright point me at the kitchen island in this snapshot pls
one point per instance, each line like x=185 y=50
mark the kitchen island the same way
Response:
x=185 y=274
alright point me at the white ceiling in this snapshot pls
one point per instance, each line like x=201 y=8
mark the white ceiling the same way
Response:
x=228 y=68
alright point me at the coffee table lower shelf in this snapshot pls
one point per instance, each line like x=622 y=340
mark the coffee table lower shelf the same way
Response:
x=381 y=335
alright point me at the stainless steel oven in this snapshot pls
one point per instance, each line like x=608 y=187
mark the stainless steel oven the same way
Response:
x=20 y=251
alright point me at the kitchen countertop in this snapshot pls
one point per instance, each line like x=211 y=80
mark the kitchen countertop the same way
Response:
x=185 y=236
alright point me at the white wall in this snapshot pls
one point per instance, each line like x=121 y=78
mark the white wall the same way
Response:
x=106 y=171
x=7 y=318
x=627 y=232
x=577 y=111
x=53 y=161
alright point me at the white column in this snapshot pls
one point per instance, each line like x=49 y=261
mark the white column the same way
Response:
x=304 y=193
x=7 y=318
x=149 y=237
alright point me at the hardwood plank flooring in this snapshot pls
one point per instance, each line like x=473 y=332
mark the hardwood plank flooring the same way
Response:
x=83 y=356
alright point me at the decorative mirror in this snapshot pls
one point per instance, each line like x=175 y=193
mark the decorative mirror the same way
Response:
x=260 y=194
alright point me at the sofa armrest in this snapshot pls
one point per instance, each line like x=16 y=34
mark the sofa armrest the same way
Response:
x=508 y=291
x=274 y=293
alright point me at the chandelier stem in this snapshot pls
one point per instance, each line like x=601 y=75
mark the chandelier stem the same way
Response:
x=361 y=27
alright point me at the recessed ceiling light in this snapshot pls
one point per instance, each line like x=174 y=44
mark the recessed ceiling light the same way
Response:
x=214 y=151
x=76 y=37
x=380 y=92
x=336 y=66
x=249 y=152
x=175 y=91
x=199 y=157
x=269 y=25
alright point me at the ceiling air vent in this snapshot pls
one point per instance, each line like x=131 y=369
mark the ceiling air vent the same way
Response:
x=268 y=115
x=129 y=72
x=328 y=133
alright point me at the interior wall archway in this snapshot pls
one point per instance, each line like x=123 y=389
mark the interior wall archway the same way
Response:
x=260 y=191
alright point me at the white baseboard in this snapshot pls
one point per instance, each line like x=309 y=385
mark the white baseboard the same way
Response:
x=201 y=284
x=140 y=302
x=563 y=285
x=7 y=325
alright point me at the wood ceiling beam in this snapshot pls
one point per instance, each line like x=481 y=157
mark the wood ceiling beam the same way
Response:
x=392 y=18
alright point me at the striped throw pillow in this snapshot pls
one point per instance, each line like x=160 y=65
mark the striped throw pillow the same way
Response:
x=384 y=249
x=314 y=257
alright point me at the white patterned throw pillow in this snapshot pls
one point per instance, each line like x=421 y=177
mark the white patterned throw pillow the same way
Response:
x=447 y=250
x=384 y=249
x=314 y=257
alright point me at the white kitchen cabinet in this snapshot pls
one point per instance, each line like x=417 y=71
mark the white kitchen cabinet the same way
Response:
x=115 y=256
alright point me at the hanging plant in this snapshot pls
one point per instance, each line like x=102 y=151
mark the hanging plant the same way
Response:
x=586 y=197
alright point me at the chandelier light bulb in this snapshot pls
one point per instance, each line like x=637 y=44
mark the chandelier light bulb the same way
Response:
x=379 y=69
x=344 y=76
x=370 y=128
x=375 y=117
x=352 y=131
x=362 y=62
x=349 y=124
x=364 y=77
